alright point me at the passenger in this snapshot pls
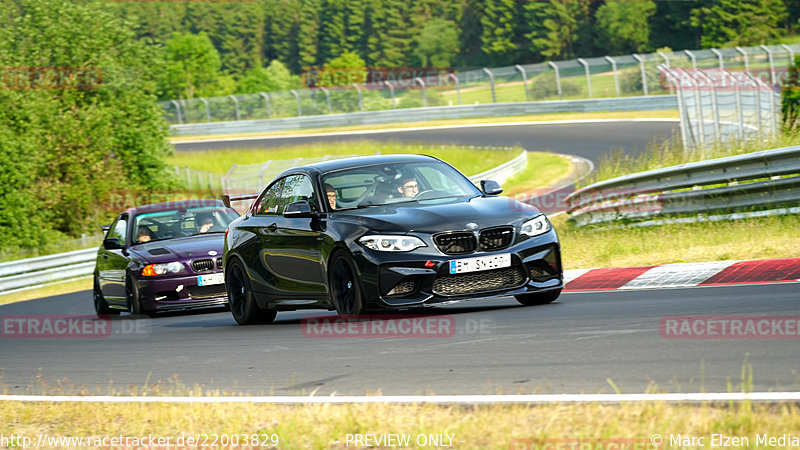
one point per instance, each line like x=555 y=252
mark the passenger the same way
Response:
x=331 y=193
x=143 y=234
x=408 y=187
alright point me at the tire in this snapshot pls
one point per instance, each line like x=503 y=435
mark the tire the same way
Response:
x=241 y=298
x=345 y=291
x=134 y=300
x=539 y=298
x=100 y=305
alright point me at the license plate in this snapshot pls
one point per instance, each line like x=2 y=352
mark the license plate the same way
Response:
x=210 y=279
x=480 y=263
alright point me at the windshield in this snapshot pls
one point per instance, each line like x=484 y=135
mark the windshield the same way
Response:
x=168 y=224
x=384 y=184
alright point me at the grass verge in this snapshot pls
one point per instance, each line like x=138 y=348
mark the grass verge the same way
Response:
x=60 y=288
x=769 y=237
x=665 y=114
x=333 y=426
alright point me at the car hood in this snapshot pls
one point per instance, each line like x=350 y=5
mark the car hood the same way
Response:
x=190 y=247
x=430 y=217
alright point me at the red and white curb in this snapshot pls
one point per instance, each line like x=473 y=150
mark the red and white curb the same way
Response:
x=683 y=275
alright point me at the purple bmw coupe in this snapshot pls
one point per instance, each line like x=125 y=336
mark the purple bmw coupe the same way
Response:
x=162 y=257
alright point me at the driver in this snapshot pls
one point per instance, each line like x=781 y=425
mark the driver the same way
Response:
x=408 y=187
x=143 y=234
x=204 y=222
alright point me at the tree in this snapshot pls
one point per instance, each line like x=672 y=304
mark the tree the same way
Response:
x=739 y=22
x=624 y=26
x=498 y=31
x=308 y=37
x=390 y=41
x=192 y=65
x=87 y=126
x=437 y=44
x=275 y=77
x=555 y=27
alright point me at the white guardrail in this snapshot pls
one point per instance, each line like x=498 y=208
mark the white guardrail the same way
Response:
x=33 y=272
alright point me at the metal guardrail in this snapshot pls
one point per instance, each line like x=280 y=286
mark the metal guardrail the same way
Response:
x=751 y=182
x=25 y=273
x=33 y=272
x=649 y=103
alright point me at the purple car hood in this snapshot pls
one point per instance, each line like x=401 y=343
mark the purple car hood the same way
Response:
x=192 y=247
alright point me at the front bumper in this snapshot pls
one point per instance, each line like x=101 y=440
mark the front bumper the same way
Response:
x=180 y=292
x=402 y=280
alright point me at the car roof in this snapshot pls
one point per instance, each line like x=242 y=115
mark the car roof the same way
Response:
x=359 y=161
x=180 y=204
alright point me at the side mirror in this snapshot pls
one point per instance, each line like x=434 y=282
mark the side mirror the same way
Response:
x=491 y=187
x=112 y=244
x=298 y=209
x=105 y=228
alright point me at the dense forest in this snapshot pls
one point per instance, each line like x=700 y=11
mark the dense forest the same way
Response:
x=236 y=46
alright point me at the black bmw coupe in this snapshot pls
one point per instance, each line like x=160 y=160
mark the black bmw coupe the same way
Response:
x=384 y=232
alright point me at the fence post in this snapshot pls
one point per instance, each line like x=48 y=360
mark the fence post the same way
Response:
x=758 y=100
x=671 y=78
x=391 y=92
x=691 y=56
x=360 y=98
x=771 y=64
x=558 y=78
x=327 y=99
x=616 y=76
x=791 y=54
x=524 y=81
x=699 y=111
x=424 y=94
x=746 y=58
x=644 y=75
x=588 y=76
x=666 y=64
x=235 y=105
x=739 y=112
x=178 y=109
x=208 y=112
x=297 y=97
x=714 y=105
x=719 y=56
x=491 y=81
x=458 y=86
x=269 y=104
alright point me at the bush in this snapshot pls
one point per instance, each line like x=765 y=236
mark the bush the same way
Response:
x=544 y=86
x=65 y=147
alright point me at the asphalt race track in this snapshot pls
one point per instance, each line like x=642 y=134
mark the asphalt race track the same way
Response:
x=586 y=139
x=495 y=346
x=571 y=346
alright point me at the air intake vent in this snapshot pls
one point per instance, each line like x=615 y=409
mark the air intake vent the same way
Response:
x=203 y=265
x=496 y=238
x=159 y=251
x=455 y=243
x=219 y=263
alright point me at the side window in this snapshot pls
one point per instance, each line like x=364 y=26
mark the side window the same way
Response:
x=268 y=203
x=119 y=229
x=296 y=188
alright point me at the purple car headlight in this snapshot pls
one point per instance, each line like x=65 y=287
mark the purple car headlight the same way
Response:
x=152 y=270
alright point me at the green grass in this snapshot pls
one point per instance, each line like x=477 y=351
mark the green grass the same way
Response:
x=466 y=159
x=771 y=237
x=671 y=153
x=493 y=426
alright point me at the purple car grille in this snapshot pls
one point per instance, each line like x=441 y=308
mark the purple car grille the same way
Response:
x=203 y=265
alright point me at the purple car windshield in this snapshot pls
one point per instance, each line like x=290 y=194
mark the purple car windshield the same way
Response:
x=175 y=223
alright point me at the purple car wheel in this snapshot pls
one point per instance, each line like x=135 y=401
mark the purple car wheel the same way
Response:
x=100 y=305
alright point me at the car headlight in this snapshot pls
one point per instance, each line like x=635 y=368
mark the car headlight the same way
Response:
x=536 y=226
x=391 y=243
x=152 y=270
